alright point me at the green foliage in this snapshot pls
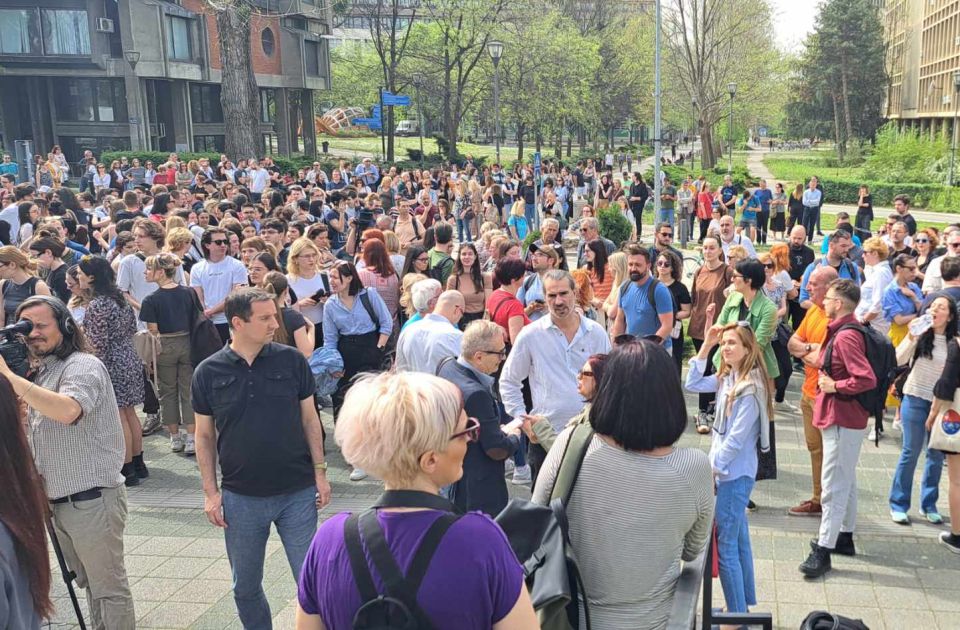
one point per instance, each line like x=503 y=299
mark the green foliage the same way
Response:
x=614 y=226
x=286 y=164
x=529 y=240
x=908 y=156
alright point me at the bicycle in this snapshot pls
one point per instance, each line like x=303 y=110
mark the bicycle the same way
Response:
x=691 y=264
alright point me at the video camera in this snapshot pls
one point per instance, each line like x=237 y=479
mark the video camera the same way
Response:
x=13 y=348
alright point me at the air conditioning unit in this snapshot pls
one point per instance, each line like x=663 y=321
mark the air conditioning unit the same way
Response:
x=104 y=25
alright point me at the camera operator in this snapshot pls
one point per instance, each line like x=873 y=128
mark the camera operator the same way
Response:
x=77 y=442
x=336 y=219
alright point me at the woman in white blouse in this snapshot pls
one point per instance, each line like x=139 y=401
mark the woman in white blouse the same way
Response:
x=878 y=276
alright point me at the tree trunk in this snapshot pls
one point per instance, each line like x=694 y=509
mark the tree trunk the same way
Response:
x=708 y=157
x=520 y=133
x=538 y=140
x=569 y=143
x=239 y=95
x=846 y=103
x=837 y=132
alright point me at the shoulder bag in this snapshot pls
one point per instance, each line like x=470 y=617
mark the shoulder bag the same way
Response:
x=945 y=432
x=204 y=338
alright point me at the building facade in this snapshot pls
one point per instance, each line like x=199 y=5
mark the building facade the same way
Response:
x=923 y=53
x=145 y=74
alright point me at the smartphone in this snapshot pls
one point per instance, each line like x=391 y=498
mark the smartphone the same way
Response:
x=324 y=291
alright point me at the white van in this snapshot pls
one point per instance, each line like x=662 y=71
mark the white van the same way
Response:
x=407 y=128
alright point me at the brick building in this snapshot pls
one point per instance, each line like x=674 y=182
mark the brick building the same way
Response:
x=145 y=74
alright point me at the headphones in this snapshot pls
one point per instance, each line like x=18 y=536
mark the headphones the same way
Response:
x=65 y=321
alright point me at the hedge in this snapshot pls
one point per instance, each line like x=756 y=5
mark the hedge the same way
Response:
x=614 y=226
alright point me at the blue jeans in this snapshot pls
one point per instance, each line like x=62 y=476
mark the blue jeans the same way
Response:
x=666 y=215
x=463 y=229
x=733 y=544
x=913 y=415
x=530 y=211
x=248 y=528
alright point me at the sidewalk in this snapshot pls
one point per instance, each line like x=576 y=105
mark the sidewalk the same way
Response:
x=758 y=169
x=901 y=578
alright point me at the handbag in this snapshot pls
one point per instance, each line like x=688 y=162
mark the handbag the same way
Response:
x=204 y=337
x=823 y=620
x=783 y=333
x=539 y=536
x=767 y=461
x=945 y=432
x=148 y=347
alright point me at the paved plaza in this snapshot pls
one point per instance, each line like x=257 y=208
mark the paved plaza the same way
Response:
x=901 y=578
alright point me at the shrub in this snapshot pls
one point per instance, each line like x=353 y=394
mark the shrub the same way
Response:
x=531 y=237
x=908 y=156
x=614 y=226
x=286 y=164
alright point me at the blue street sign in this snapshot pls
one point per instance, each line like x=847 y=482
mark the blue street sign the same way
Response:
x=372 y=123
x=537 y=164
x=395 y=99
x=763 y=132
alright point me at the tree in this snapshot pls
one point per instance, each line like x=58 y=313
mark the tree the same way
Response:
x=355 y=74
x=239 y=94
x=710 y=43
x=390 y=26
x=452 y=43
x=842 y=74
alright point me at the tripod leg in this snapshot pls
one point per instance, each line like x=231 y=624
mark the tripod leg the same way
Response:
x=68 y=575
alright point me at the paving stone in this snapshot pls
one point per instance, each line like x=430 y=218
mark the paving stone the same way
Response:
x=904 y=618
x=203 y=591
x=891 y=597
x=173 y=615
x=186 y=568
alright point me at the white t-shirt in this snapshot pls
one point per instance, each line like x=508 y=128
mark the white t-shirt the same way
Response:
x=305 y=288
x=11 y=215
x=130 y=279
x=217 y=281
x=258 y=180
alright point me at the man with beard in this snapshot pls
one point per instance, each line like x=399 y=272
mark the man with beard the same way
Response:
x=800 y=258
x=646 y=305
x=549 y=352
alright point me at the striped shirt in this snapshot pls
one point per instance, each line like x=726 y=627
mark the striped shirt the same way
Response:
x=926 y=370
x=88 y=453
x=633 y=517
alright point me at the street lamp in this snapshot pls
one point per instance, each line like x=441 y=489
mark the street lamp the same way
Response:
x=732 y=89
x=132 y=57
x=495 y=48
x=956 y=109
x=417 y=82
x=693 y=136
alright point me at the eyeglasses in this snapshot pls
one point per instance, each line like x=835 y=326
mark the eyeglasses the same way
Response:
x=422 y=258
x=663 y=263
x=923 y=240
x=219 y=241
x=472 y=432
x=500 y=353
x=666 y=234
x=830 y=297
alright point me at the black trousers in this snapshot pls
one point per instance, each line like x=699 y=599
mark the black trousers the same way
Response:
x=785 y=363
x=151 y=404
x=706 y=401
x=763 y=222
x=360 y=354
x=796 y=313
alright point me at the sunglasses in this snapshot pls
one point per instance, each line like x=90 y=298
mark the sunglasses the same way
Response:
x=219 y=242
x=667 y=234
x=923 y=240
x=472 y=432
x=768 y=265
x=663 y=263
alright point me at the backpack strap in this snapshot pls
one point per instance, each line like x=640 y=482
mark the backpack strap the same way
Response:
x=365 y=300
x=570 y=463
x=358 y=561
x=396 y=585
x=529 y=282
x=652 y=292
x=828 y=353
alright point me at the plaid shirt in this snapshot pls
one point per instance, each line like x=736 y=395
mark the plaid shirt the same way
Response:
x=88 y=453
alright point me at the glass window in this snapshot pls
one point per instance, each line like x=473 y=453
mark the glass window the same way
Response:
x=208 y=144
x=205 y=103
x=268 y=105
x=91 y=100
x=311 y=57
x=65 y=32
x=19 y=32
x=270 y=144
x=178 y=38
x=268 y=42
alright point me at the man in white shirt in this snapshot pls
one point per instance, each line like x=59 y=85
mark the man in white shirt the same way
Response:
x=549 y=353
x=149 y=237
x=933 y=279
x=259 y=179
x=216 y=276
x=11 y=214
x=729 y=236
x=424 y=344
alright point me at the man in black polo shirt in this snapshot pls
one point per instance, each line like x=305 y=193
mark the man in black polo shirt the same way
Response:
x=254 y=409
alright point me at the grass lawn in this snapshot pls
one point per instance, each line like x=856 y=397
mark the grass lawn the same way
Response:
x=401 y=144
x=799 y=169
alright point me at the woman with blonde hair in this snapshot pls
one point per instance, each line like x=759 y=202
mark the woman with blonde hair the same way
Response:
x=18 y=281
x=517 y=223
x=180 y=241
x=295 y=330
x=476 y=205
x=407 y=309
x=166 y=313
x=617 y=265
x=310 y=284
x=926 y=242
x=392 y=241
x=742 y=423
x=79 y=297
x=877 y=277
x=411 y=431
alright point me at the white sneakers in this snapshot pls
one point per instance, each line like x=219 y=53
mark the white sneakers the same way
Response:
x=358 y=474
x=176 y=443
x=185 y=443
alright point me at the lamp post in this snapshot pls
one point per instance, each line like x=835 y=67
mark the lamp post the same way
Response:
x=657 y=121
x=417 y=82
x=693 y=136
x=956 y=109
x=495 y=48
x=732 y=89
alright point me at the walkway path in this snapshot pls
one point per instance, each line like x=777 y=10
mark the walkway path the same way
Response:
x=901 y=578
x=758 y=169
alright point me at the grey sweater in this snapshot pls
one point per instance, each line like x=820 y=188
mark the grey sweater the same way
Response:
x=16 y=601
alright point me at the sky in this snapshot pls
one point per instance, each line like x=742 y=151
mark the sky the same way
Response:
x=793 y=20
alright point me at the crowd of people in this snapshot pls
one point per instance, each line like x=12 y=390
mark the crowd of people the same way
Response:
x=457 y=354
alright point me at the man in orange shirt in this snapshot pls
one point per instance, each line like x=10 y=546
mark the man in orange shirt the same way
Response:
x=805 y=345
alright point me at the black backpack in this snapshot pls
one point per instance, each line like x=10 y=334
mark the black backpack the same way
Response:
x=822 y=620
x=883 y=361
x=443 y=268
x=397 y=607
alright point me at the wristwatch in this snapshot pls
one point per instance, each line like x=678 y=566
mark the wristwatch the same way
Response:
x=809 y=348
